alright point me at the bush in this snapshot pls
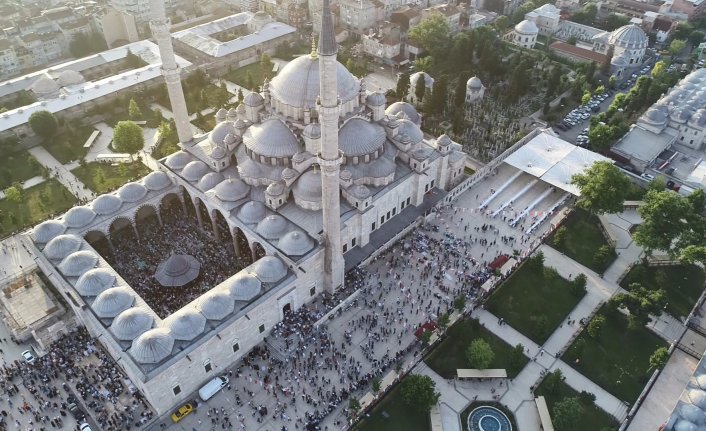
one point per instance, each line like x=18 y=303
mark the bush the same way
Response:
x=603 y=255
x=578 y=285
x=560 y=236
x=596 y=325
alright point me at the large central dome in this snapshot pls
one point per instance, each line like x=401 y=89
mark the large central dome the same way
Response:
x=297 y=84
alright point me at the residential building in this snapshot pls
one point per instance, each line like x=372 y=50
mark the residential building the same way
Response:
x=385 y=45
x=358 y=15
x=451 y=12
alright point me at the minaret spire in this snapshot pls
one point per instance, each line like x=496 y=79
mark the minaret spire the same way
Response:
x=170 y=69
x=330 y=157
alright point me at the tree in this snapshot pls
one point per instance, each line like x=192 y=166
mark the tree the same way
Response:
x=596 y=325
x=424 y=64
x=659 y=69
x=83 y=44
x=676 y=46
x=128 y=138
x=659 y=358
x=603 y=188
x=612 y=81
x=571 y=40
x=479 y=354
x=696 y=37
x=601 y=136
x=13 y=194
x=376 y=385
x=353 y=405
x=536 y=262
x=586 y=97
x=431 y=34
x=641 y=303
x=266 y=64
x=614 y=21
x=443 y=320
x=599 y=90
x=460 y=303
x=553 y=381
x=668 y=220
x=501 y=24
x=249 y=81
x=133 y=110
x=420 y=89
x=43 y=123
x=578 y=285
x=240 y=95
x=419 y=392
x=402 y=85
x=517 y=356
x=566 y=413
x=560 y=236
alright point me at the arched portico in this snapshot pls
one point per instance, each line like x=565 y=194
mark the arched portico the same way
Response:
x=258 y=251
x=122 y=229
x=100 y=242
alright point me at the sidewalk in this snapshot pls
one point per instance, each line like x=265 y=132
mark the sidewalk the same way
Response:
x=61 y=173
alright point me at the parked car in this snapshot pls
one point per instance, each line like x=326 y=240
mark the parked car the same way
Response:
x=182 y=412
x=28 y=357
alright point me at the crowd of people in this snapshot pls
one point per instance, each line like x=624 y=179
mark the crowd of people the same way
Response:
x=36 y=396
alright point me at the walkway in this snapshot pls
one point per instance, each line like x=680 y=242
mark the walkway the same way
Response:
x=61 y=173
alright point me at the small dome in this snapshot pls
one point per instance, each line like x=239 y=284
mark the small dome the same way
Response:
x=210 y=180
x=69 y=77
x=359 y=137
x=216 y=304
x=275 y=189
x=692 y=414
x=289 y=174
x=360 y=191
x=527 y=27
x=219 y=133
x=443 y=141
x=405 y=108
x=253 y=99
x=701 y=381
x=112 y=302
x=629 y=36
x=232 y=114
x=252 y=212
x=106 y=204
x=269 y=269
x=218 y=152
x=655 y=116
x=376 y=99
x=79 y=217
x=157 y=181
x=295 y=243
x=132 y=192
x=240 y=109
x=474 y=83
x=77 y=263
x=45 y=231
x=697 y=397
x=61 y=246
x=308 y=186
x=619 y=61
x=221 y=115
x=240 y=124
x=410 y=131
x=272 y=227
x=683 y=425
x=345 y=175
x=230 y=139
x=271 y=138
x=244 y=286
x=94 y=281
x=231 y=190
x=131 y=323
x=153 y=346
x=428 y=80
x=44 y=86
x=193 y=171
x=178 y=160
x=186 y=324
x=312 y=131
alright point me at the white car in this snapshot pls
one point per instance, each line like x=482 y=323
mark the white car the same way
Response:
x=85 y=427
x=648 y=177
x=28 y=357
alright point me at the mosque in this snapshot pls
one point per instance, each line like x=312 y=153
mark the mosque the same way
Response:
x=306 y=179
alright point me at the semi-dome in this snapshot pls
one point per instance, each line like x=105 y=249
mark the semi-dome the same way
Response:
x=376 y=99
x=271 y=138
x=45 y=231
x=628 y=36
x=253 y=99
x=297 y=84
x=269 y=269
x=210 y=180
x=79 y=216
x=178 y=160
x=193 y=171
x=106 y=204
x=408 y=130
x=157 y=180
x=252 y=212
x=219 y=133
x=692 y=413
x=186 y=324
x=112 y=302
x=77 y=263
x=132 y=192
x=527 y=27
x=359 y=137
x=244 y=286
x=408 y=110
x=44 y=86
x=61 y=246
x=94 y=281
x=69 y=77
x=216 y=304
x=428 y=80
x=308 y=186
x=295 y=243
x=272 y=227
x=231 y=190
x=131 y=323
x=152 y=346
x=474 y=83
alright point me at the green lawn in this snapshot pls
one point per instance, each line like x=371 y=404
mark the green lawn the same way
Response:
x=205 y=123
x=106 y=177
x=683 y=284
x=164 y=148
x=582 y=239
x=533 y=303
x=450 y=354
x=239 y=76
x=68 y=145
x=38 y=203
x=592 y=419
x=392 y=414
x=18 y=167
x=618 y=360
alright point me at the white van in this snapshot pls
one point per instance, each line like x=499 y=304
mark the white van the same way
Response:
x=211 y=388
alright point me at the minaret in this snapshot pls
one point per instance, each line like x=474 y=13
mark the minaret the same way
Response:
x=330 y=156
x=170 y=70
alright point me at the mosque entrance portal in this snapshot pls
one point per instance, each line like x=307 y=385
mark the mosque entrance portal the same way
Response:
x=287 y=309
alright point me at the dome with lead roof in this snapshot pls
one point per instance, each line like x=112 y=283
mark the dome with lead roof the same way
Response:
x=94 y=281
x=271 y=138
x=628 y=36
x=210 y=180
x=131 y=323
x=474 y=83
x=178 y=160
x=193 y=171
x=45 y=87
x=252 y=212
x=69 y=77
x=185 y=324
x=79 y=216
x=376 y=99
x=45 y=231
x=527 y=27
x=692 y=413
x=269 y=269
x=253 y=99
x=152 y=346
x=428 y=80
x=443 y=141
x=244 y=286
x=297 y=84
x=683 y=425
x=219 y=133
x=77 y=263
x=409 y=130
x=409 y=111
x=112 y=302
x=132 y=192
x=157 y=180
x=697 y=397
x=655 y=116
x=61 y=246
x=218 y=153
x=360 y=191
x=231 y=190
x=216 y=304
x=295 y=243
x=272 y=227
x=312 y=131
x=106 y=204
x=359 y=137
x=308 y=186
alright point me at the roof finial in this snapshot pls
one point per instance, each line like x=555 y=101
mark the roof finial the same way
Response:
x=314 y=54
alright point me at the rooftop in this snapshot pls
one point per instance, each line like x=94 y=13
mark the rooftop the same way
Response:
x=642 y=144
